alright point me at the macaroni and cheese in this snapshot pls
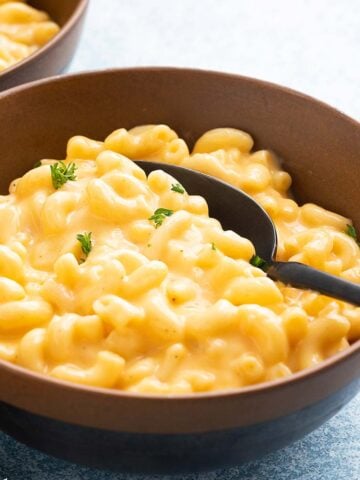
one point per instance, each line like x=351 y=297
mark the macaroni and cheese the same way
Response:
x=113 y=279
x=23 y=30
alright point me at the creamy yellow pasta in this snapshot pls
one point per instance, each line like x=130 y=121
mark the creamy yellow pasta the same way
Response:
x=100 y=287
x=23 y=30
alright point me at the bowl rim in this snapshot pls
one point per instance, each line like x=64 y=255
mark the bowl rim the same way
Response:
x=40 y=52
x=53 y=79
x=263 y=387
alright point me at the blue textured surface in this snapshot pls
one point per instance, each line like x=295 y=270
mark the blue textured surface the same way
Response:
x=260 y=39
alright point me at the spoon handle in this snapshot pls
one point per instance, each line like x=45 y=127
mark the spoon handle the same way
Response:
x=301 y=276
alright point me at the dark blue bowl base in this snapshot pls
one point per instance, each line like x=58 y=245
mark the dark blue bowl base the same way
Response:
x=154 y=453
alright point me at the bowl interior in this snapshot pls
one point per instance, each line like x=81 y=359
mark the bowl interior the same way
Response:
x=59 y=11
x=318 y=145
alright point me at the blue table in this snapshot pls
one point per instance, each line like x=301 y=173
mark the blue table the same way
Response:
x=260 y=39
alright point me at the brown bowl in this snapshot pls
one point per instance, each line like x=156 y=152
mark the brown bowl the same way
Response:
x=123 y=431
x=53 y=57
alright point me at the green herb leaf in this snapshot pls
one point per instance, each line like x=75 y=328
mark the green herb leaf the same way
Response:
x=351 y=231
x=213 y=246
x=176 y=187
x=37 y=164
x=159 y=216
x=61 y=173
x=86 y=244
x=258 y=262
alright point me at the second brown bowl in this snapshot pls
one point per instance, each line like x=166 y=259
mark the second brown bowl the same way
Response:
x=53 y=57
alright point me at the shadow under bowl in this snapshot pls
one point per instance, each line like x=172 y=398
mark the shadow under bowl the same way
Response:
x=156 y=434
x=54 y=56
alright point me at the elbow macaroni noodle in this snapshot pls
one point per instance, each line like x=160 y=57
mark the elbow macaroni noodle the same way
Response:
x=23 y=30
x=169 y=308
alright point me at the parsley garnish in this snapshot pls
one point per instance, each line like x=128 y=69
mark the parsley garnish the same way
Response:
x=176 y=187
x=86 y=244
x=258 y=262
x=37 y=164
x=61 y=173
x=159 y=216
x=213 y=246
x=351 y=231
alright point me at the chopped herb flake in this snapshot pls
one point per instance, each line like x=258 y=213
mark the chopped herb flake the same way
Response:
x=159 y=216
x=61 y=173
x=213 y=246
x=86 y=244
x=351 y=231
x=258 y=262
x=176 y=187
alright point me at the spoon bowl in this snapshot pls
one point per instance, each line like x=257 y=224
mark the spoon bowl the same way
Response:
x=237 y=211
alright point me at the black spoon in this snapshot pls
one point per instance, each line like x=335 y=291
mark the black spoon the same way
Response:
x=239 y=212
